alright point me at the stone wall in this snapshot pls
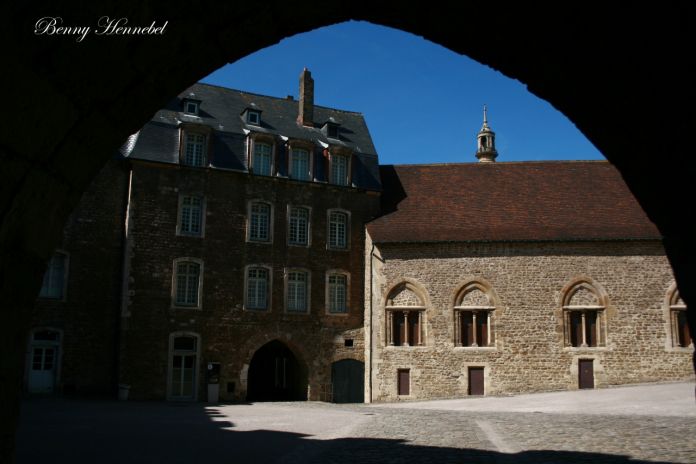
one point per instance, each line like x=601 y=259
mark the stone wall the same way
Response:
x=527 y=280
x=229 y=334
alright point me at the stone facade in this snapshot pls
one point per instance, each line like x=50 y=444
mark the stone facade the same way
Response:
x=528 y=285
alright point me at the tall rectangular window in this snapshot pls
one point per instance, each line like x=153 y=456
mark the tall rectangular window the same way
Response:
x=262 y=159
x=194 y=149
x=260 y=222
x=53 y=285
x=475 y=328
x=338 y=230
x=338 y=292
x=191 y=215
x=339 y=169
x=584 y=328
x=297 y=291
x=298 y=226
x=299 y=164
x=187 y=283
x=257 y=288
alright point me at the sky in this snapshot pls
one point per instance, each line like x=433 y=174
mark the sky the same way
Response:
x=422 y=102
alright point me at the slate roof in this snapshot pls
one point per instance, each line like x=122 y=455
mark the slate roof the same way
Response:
x=221 y=109
x=522 y=201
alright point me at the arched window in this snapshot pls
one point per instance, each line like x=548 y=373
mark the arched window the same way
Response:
x=584 y=316
x=55 y=277
x=405 y=311
x=298 y=225
x=260 y=222
x=474 y=307
x=339 y=229
x=681 y=337
x=337 y=292
x=257 y=285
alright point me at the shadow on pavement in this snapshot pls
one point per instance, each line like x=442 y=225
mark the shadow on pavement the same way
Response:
x=76 y=432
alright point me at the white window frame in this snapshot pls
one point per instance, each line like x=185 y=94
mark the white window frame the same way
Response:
x=179 y=216
x=253 y=117
x=187 y=109
x=170 y=364
x=348 y=229
x=327 y=285
x=308 y=290
x=175 y=283
x=344 y=181
x=269 y=287
x=48 y=274
x=185 y=144
x=308 y=176
x=250 y=207
x=252 y=159
x=308 y=228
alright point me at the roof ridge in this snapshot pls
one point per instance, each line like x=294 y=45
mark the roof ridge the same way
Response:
x=273 y=97
x=476 y=163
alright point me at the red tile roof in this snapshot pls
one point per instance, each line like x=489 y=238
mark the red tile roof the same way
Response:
x=551 y=200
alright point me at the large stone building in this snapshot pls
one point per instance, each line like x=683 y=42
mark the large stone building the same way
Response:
x=227 y=244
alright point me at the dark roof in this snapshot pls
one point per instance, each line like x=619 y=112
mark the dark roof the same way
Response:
x=555 y=200
x=221 y=109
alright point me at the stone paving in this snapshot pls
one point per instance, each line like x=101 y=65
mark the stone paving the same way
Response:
x=290 y=433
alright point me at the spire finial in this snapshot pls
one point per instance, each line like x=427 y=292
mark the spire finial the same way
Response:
x=485 y=115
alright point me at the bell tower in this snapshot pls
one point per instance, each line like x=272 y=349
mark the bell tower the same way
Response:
x=485 y=151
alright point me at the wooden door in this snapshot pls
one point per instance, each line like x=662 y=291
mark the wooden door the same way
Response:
x=348 y=381
x=476 y=381
x=586 y=373
x=404 y=382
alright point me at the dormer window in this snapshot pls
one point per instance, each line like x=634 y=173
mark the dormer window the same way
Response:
x=191 y=108
x=253 y=117
x=331 y=129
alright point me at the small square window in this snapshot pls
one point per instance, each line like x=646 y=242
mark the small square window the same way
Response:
x=191 y=107
x=253 y=117
x=348 y=342
x=332 y=131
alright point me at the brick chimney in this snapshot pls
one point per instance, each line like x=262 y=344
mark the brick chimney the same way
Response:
x=306 y=114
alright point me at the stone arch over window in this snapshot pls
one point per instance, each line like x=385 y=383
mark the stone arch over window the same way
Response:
x=404 y=307
x=679 y=333
x=584 y=304
x=475 y=304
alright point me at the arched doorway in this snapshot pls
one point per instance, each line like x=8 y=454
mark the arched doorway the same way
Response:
x=275 y=374
x=43 y=362
x=348 y=381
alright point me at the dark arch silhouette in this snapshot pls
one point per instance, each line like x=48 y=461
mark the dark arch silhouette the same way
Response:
x=276 y=374
x=621 y=76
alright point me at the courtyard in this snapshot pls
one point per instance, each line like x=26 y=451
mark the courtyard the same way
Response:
x=648 y=423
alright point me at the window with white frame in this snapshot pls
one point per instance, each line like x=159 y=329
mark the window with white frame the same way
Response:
x=300 y=164
x=681 y=337
x=257 y=286
x=297 y=291
x=473 y=314
x=339 y=169
x=253 y=117
x=338 y=230
x=187 y=283
x=183 y=348
x=263 y=159
x=584 y=316
x=259 y=222
x=191 y=215
x=54 y=280
x=298 y=226
x=194 y=149
x=191 y=107
x=337 y=289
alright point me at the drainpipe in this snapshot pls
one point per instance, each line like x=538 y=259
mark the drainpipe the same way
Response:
x=372 y=346
x=125 y=276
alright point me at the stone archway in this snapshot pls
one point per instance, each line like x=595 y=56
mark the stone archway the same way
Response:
x=276 y=374
x=621 y=76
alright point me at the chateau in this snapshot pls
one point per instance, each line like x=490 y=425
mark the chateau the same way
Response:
x=245 y=247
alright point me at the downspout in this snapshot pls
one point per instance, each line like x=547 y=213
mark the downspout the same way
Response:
x=125 y=276
x=372 y=347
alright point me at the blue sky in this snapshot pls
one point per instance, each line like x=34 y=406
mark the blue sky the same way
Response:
x=422 y=102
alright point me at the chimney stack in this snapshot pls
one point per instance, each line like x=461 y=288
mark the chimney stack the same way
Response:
x=306 y=115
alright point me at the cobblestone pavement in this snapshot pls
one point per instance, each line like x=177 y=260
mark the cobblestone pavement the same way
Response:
x=289 y=433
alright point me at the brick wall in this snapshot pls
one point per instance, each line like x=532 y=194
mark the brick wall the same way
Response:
x=87 y=317
x=529 y=353
x=229 y=334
